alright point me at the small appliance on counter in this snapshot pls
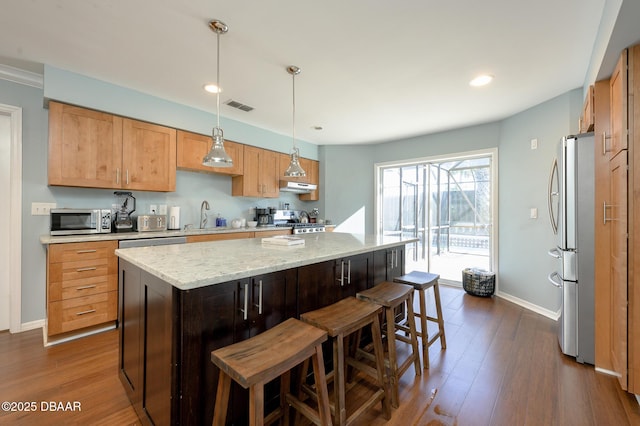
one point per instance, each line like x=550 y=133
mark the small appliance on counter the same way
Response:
x=123 y=222
x=79 y=221
x=174 y=218
x=151 y=222
x=264 y=217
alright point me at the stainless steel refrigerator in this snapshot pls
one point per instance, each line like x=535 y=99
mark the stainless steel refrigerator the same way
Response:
x=571 y=210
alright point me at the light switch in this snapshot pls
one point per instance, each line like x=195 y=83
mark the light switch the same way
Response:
x=534 y=143
x=533 y=214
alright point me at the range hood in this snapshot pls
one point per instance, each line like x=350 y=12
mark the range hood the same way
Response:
x=297 y=187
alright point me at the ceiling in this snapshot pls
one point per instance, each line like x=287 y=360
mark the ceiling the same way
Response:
x=372 y=70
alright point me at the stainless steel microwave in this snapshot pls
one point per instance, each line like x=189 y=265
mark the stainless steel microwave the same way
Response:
x=80 y=221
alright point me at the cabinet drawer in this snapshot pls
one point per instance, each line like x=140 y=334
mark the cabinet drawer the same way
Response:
x=71 y=252
x=80 y=312
x=82 y=269
x=69 y=289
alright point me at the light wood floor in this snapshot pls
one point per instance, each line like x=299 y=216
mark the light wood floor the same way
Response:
x=502 y=366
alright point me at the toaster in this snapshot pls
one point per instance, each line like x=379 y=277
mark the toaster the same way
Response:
x=152 y=222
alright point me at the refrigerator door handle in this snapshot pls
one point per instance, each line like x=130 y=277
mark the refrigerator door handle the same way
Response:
x=553 y=179
x=553 y=281
x=554 y=252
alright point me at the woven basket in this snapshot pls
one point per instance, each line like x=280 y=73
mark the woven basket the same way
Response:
x=478 y=282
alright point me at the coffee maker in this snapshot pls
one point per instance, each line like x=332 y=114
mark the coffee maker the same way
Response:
x=264 y=217
x=123 y=222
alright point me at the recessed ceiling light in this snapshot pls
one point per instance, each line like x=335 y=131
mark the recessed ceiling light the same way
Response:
x=211 y=88
x=481 y=80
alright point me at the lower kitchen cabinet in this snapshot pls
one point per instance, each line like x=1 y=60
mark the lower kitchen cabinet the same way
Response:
x=167 y=335
x=82 y=285
x=388 y=264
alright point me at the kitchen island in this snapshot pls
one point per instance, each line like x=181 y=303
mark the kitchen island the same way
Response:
x=180 y=302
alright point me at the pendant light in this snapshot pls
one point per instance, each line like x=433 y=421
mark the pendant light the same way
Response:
x=294 y=169
x=217 y=156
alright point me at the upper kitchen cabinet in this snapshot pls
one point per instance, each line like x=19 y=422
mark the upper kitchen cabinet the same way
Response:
x=311 y=167
x=619 y=106
x=587 y=117
x=148 y=156
x=98 y=150
x=85 y=147
x=260 y=177
x=192 y=147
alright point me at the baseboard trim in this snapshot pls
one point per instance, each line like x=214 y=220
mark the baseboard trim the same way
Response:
x=607 y=372
x=32 y=325
x=530 y=306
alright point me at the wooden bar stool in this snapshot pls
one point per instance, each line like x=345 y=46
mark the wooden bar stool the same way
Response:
x=421 y=282
x=340 y=320
x=260 y=359
x=390 y=296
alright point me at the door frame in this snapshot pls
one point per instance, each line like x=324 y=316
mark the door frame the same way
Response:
x=490 y=152
x=15 y=217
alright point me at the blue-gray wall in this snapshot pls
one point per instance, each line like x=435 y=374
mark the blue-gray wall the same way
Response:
x=349 y=185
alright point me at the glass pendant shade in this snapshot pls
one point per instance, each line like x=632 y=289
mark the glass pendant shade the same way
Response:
x=217 y=156
x=294 y=169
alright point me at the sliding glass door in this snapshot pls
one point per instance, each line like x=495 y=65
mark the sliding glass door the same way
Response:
x=447 y=205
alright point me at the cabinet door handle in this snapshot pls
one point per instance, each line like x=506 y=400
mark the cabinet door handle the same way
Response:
x=605 y=219
x=341 y=279
x=90 y=311
x=245 y=311
x=604 y=143
x=86 y=287
x=349 y=273
x=127 y=177
x=118 y=175
x=89 y=268
x=259 y=305
x=86 y=251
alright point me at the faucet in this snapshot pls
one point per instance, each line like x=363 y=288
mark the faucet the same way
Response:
x=203 y=215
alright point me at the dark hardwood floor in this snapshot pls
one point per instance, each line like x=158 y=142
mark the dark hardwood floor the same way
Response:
x=502 y=366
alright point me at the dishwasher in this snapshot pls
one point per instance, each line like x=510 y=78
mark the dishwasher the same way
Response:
x=147 y=242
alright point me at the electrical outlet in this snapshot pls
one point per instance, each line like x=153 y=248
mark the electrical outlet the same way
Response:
x=42 y=209
x=534 y=143
x=533 y=213
x=163 y=209
x=153 y=209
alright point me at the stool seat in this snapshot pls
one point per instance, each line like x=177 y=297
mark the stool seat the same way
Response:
x=421 y=282
x=391 y=296
x=342 y=320
x=418 y=279
x=262 y=358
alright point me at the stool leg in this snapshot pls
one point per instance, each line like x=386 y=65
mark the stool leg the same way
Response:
x=256 y=404
x=222 y=399
x=378 y=350
x=393 y=359
x=321 y=387
x=443 y=339
x=285 y=387
x=423 y=328
x=338 y=379
x=414 y=336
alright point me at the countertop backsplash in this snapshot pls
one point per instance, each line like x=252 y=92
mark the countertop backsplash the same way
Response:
x=191 y=190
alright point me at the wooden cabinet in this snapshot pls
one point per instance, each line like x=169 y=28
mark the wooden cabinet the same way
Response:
x=353 y=274
x=618 y=238
x=313 y=176
x=273 y=232
x=388 y=264
x=92 y=149
x=260 y=178
x=587 y=118
x=312 y=169
x=192 y=148
x=82 y=285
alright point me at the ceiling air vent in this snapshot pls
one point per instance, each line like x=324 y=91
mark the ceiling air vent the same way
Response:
x=235 y=104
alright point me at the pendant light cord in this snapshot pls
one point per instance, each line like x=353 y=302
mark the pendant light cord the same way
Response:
x=218 y=81
x=293 y=121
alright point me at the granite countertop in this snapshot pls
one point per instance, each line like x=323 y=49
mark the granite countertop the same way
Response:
x=189 y=266
x=56 y=239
